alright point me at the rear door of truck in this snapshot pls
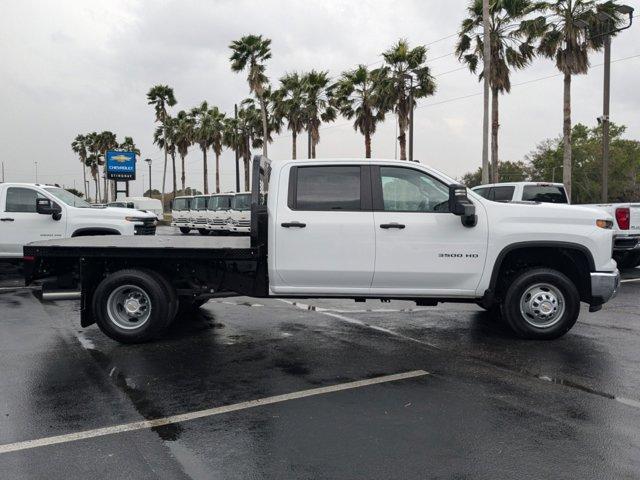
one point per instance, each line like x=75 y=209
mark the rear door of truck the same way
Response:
x=324 y=238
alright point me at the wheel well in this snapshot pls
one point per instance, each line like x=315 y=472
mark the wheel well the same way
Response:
x=84 y=232
x=573 y=262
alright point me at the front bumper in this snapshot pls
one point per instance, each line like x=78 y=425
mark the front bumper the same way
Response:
x=604 y=286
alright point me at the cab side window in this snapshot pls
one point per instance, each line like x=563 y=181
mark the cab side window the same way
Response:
x=409 y=190
x=21 y=200
x=326 y=188
x=502 y=194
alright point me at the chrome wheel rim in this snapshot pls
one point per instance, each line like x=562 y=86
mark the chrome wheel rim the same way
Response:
x=129 y=307
x=542 y=305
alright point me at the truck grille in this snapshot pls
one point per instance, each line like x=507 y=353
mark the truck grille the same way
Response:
x=244 y=223
x=201 y=221
x=181 y=220
x=218 y=221
x=147 y=228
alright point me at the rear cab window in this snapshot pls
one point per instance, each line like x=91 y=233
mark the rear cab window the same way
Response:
x=326 y=188
x=544 y=194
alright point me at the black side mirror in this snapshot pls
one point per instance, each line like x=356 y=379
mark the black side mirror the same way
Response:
x=44 y=206
x=459 y=204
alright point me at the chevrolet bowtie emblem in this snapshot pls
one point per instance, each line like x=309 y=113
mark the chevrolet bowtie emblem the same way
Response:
x=120 y=158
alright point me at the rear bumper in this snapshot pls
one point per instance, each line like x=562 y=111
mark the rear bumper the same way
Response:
x=626 y=243
x=604 y=286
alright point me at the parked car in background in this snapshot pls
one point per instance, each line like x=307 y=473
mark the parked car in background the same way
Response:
x=145 y=204
x=219 y=208
x=626 y=226
x=180 y=208
x=523 y=191
x=30 y=212
x=198 y=214
x=239 y=219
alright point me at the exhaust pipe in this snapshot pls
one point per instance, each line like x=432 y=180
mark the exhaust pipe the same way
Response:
x=53 y=295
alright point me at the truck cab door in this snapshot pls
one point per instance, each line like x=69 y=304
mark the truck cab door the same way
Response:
x=421 y=248
x=324 y=237
x=21 y=224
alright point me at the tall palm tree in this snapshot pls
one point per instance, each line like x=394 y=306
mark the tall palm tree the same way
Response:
x=79 y=146
x=128 y=145
x=217 y=131
x=288 y=104
x=359 y=95
x=161 y=97
x=564 y=40
x=164 y=137
x=94 y=161
x=512 y=47
x=183 y=139
x=404 y=63
x=317 y=107
x=208 y=128
x=106 y=140
x=251 y=52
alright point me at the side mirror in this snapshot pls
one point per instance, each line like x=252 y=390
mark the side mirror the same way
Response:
x=459 y=204
x=44 y=206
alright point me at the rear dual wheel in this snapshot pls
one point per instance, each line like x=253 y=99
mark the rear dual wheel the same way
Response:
x=185 y=230
x=134 y=306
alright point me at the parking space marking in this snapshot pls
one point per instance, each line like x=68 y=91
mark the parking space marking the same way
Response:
x=629 y=280
x=184 y=417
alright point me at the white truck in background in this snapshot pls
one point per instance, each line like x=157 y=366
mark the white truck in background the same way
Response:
x=219 y=208
x=31 y=212
x=146 y=204
x=351 y=228
x=239 y=220
x=626 y=225
x=180 y=207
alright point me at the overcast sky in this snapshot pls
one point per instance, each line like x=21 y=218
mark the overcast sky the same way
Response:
x=72 y=67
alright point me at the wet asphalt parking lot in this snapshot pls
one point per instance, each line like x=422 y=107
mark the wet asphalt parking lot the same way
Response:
x=255 y=388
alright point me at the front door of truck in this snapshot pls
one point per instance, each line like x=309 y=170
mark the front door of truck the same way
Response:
x=324 y=237
x=21 y=224
x=421 y=248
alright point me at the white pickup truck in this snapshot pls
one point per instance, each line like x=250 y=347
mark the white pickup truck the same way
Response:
x=626 y=216
x=357 y=229
x=31 y=212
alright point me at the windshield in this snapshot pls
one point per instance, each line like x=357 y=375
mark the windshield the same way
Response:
x=181 y=204
x=67 y=197
x=241 y=202
x=544 y=194
x=199 y=203
x=221 y=202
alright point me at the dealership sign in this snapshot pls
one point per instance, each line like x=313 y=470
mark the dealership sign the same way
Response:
x=121 y=165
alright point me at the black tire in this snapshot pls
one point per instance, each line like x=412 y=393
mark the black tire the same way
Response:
x=203 y=232
x=158 y=302
x=185 y=230
x=172 y=295
x=546 y=284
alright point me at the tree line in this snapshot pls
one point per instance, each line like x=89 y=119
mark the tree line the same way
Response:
x=545 y=164
x=520 y=30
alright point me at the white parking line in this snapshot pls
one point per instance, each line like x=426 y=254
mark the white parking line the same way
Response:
x=159 y=422
x=629 y=280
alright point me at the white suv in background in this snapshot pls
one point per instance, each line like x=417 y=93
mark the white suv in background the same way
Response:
x=180 y=213
x=240 y=214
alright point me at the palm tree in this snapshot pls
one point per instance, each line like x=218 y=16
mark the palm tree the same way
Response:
x=79 y=146
x=403 y=63
x=164 y=137
x=564 y=39
x=183 y=139
x=317 y=107
x=128 y=145
x=358 y=95
x=106 y=140
x=511 y=47
x=251 y=52
x=208 y=128
x=94 y=160
x=161 y=97
x=288 y=104
x=217 y=130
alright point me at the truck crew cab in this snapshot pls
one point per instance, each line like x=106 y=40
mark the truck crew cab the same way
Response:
x=354 y=229
x=32 y=211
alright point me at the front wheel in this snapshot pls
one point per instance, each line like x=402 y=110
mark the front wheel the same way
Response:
x=541 y=304
x=185 y=230
x=203 y=232
x=132 y=306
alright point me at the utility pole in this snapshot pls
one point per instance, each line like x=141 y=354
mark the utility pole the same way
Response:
x=605 y=118
x=411 y=118
x=2 y=172
x=235 y=116
x=486 y=57
x=36 y=164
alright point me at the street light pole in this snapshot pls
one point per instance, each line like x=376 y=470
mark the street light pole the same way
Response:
x=486 y=57
x=36 y=164
x=411 y=118
x=236 y=149
x=148 y=160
